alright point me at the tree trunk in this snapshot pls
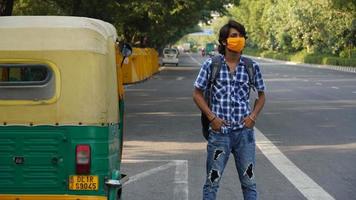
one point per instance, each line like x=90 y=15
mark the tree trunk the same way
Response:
x=76 y=7
x=6 y=7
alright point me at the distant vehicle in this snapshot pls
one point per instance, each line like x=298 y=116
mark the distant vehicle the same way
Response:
x=209 y=49
x=170 y=56
x=203 y=52
x=186 y=47
x=212 y=53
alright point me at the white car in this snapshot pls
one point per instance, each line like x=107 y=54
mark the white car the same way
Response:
x=170 y=56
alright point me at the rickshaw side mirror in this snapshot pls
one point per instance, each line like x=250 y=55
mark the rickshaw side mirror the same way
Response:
x=126 y=50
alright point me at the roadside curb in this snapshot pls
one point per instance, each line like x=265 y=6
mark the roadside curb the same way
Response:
x=332 y=67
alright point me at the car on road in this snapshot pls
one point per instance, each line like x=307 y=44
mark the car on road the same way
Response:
x=170 y=56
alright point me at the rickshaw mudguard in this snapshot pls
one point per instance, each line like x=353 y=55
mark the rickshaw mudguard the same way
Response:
x=116 y=182
x=52 y=197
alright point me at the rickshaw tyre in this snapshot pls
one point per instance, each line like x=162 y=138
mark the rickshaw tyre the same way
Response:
x=119 y=193
x=121 y=147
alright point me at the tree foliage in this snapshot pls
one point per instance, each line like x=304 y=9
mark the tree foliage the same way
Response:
x=317 y=26
x=153 y=23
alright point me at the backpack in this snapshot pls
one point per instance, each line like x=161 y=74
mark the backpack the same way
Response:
x=215 y=69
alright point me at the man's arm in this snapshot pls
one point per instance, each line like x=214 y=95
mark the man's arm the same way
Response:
x=259 y=103
x=199 y=100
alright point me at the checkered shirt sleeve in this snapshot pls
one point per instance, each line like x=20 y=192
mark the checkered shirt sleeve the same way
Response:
x=259 y=83
x=203 y=77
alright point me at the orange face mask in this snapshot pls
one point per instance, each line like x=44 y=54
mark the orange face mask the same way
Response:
x=236 y=44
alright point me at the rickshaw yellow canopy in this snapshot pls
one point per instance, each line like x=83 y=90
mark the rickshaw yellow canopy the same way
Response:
x=80 y=52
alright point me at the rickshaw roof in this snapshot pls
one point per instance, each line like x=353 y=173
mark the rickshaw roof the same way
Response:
x=57 y=27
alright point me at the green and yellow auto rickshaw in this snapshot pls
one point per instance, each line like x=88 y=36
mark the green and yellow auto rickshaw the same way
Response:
x=60 y=107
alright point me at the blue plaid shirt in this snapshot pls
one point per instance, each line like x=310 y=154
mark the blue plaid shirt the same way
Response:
x=230 y=93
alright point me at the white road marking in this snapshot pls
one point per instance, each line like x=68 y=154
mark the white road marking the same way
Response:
x=181 y=191
x=195 y=60
x=335 y=87
x=318 y=84
x=310 y=189
x=354 y=92
x=179 y=78
x=149 y=172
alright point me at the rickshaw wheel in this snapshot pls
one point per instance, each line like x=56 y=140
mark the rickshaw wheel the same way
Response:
x=119 y=192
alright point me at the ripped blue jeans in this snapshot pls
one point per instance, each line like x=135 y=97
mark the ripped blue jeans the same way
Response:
x=241 y=143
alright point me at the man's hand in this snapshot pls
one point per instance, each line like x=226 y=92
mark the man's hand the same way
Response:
x=249 y=122
x=216 y=124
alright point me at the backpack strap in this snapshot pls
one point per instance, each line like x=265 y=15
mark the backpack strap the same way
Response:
x=215 y=67
x=250 y=71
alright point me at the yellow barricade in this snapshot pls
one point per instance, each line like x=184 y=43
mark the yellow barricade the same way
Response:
x=142 y=64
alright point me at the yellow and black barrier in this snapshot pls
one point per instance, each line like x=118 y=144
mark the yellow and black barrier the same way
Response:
x=142 y=64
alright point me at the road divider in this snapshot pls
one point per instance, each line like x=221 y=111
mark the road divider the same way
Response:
x=141 y=65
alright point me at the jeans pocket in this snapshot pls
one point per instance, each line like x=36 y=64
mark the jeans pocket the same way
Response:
x=249 y=134
x=212 y=131
x=251 y=129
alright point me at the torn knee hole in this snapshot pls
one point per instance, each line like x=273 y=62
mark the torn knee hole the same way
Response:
x=214 y=175
x=249 y=171
x=217 y=153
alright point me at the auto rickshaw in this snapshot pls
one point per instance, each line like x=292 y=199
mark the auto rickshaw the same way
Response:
x=60 y=108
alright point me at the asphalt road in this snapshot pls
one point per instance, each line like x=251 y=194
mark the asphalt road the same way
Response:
x=306 y=143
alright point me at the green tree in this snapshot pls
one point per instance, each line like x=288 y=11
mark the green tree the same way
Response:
x=145 y=23
x=6 y=7
x=322 y=26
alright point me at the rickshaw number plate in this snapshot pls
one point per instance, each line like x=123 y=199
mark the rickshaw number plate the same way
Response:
x=83 y=182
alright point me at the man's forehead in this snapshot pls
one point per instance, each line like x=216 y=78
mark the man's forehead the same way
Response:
x=233 y=31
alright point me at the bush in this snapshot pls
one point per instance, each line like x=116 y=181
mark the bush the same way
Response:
x=339 y=61
x=330 y=61
x=194 y=49
x=275 y=55
x=350 y=62
x=348 y=53
x=303 y=57
x=267 y=54
x=313 y=59
x=280 y=56
x=344 y=54
x=252 y=52
x=299 y=56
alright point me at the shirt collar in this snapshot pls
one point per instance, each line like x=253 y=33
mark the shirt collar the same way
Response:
x=241 y=62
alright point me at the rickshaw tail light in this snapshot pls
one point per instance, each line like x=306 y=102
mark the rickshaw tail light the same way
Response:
x=82 y=158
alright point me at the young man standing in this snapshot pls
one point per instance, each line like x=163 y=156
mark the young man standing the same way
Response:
x=231 y=117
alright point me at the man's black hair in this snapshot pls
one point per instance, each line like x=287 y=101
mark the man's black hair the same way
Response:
x=224 y=33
